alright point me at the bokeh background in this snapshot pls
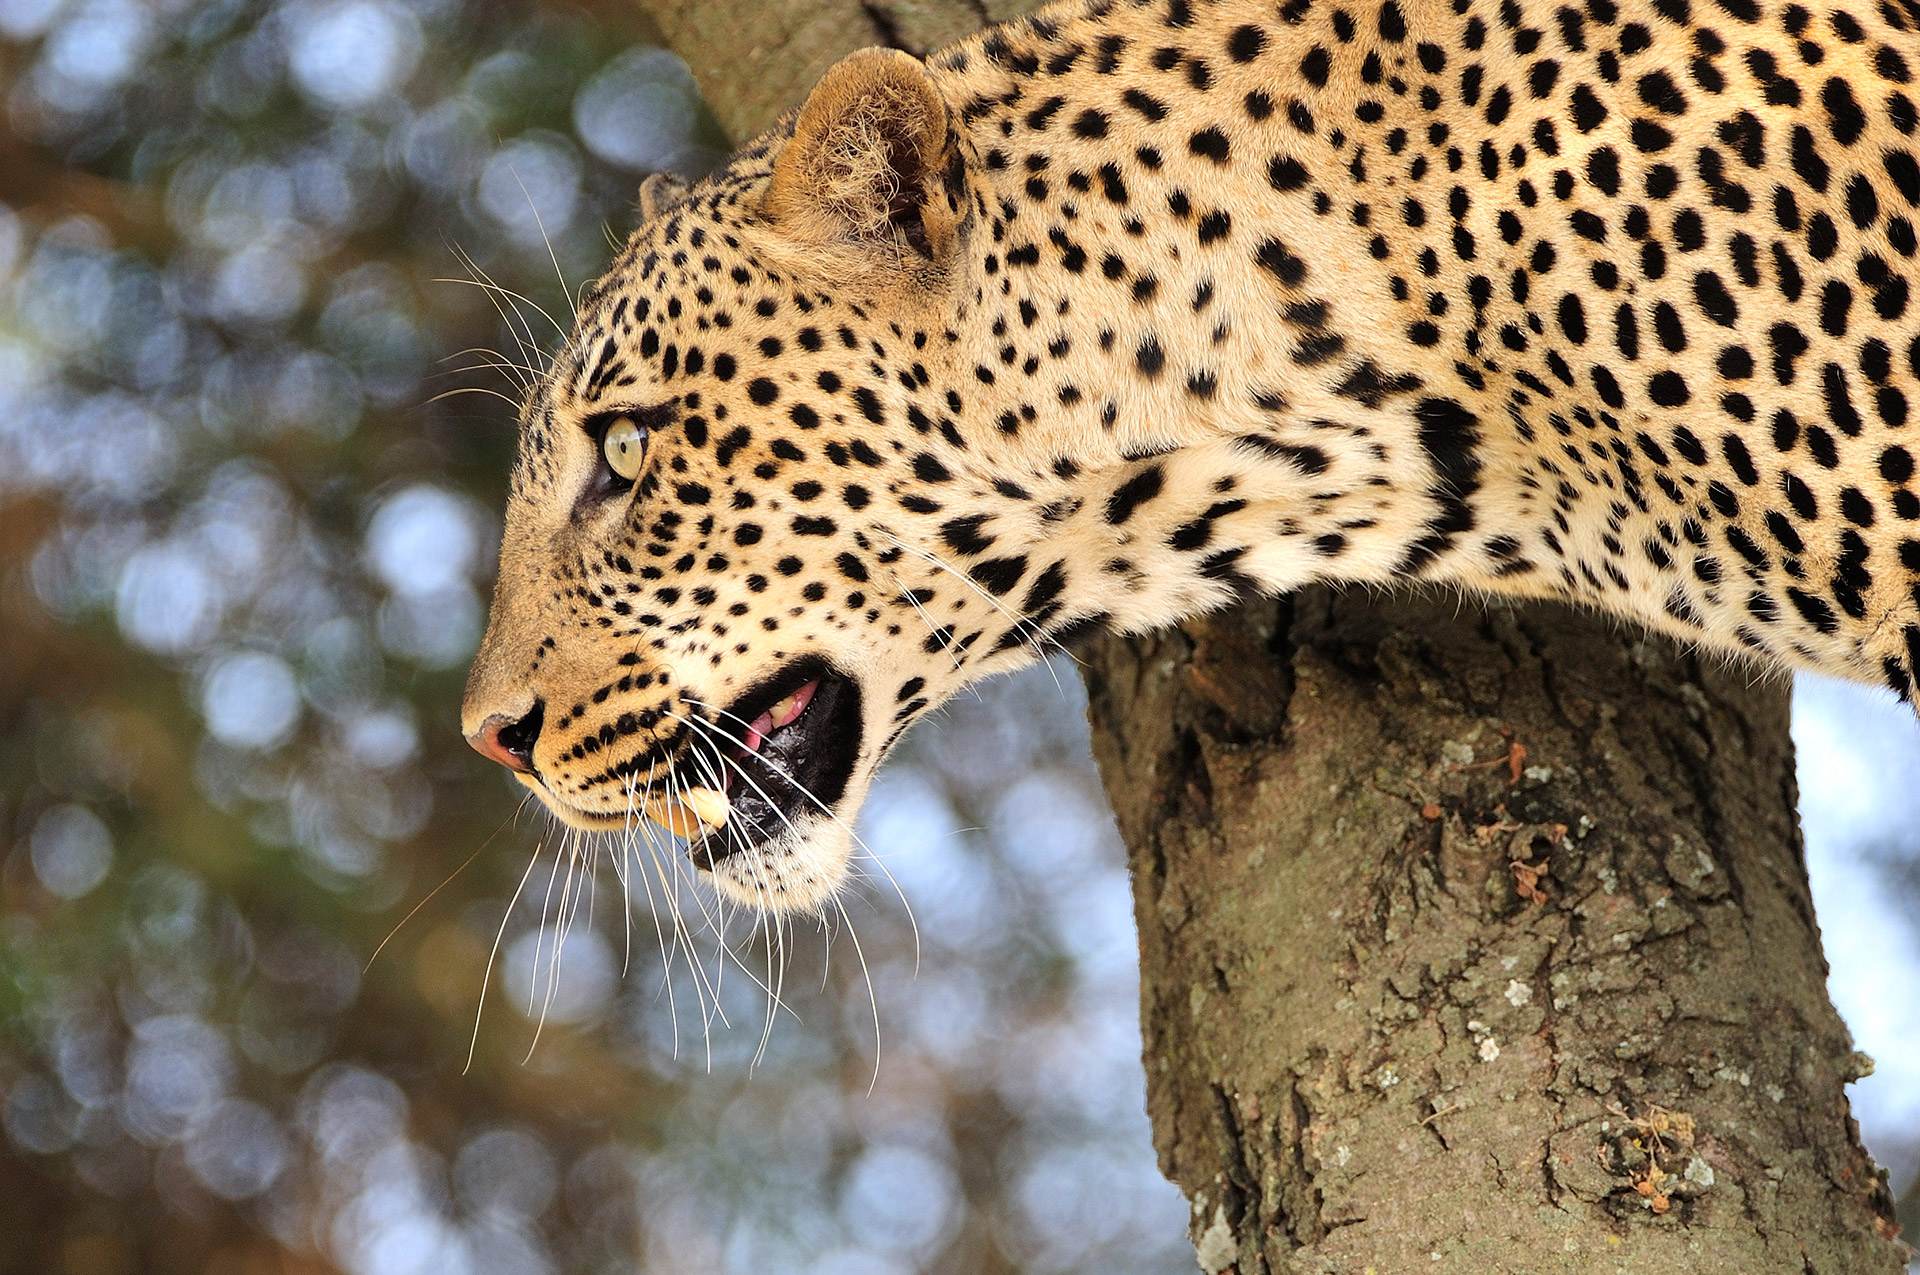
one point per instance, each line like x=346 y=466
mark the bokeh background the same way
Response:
x=271 y=274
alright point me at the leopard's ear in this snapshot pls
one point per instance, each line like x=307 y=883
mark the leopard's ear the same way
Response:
x=659 y=192
x=870 y=162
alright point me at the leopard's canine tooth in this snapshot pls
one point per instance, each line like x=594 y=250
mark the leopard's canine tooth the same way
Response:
x=696 y=812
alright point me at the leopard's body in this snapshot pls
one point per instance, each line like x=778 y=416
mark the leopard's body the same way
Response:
x=1110 y=313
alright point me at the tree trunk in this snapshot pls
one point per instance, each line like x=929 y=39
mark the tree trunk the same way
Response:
x=1478 y=941
x=1470 y=942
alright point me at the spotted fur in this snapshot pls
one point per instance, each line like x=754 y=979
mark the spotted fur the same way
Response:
x=1108 y=314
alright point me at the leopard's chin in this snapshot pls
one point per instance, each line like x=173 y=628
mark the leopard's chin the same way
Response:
x=797 y=871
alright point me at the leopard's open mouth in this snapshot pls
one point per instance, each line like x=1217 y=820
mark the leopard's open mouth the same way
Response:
x=789 y=747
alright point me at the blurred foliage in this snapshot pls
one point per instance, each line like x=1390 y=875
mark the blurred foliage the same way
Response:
x=245 y=529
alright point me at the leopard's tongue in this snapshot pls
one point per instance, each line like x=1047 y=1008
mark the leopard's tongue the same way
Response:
x=787 y=710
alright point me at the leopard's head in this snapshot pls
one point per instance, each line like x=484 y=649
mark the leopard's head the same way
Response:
x=729 y=564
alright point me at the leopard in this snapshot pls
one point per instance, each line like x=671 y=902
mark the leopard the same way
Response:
x=1111 y=315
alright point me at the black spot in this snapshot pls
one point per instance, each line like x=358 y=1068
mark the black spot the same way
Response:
x=1274 y=257
x=1863 y=206
x=1747 y=136
x=1450 y=436
x=1042 y=115
x=1737 y=456
x=1667 y=326
x=1573 y=319
x=1133 y=493
x=1316 y=66
x=733 y=441
x=1799 y=495
x=1368 y=384
x=1660 y=92
x=998 y=575
x=1855 y=506
x=1840 y=409
x=1626 y=331
x=1648 y=137
x=1836 y=299
x=1317 y=348
x=1047 y=586
x=1789 y=343
x=1807 y=163
x=1668 y=389
x=1151 y=107
x=1603 y=170
x=1499 y=105
x=1190 y=536
x=1222 y=566
x=963 y=536
x=1896 y=464
x=1150 y=358
x=1393 y=26
x=1845 y=120
x=1211 y=143
x=1285 y=173
x=1905 y=173
x=1714 y=300
x=1814 y=610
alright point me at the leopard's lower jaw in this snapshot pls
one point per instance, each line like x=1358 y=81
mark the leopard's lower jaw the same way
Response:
x=794 y=872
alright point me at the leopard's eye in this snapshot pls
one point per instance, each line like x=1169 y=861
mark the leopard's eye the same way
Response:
x=624 y=445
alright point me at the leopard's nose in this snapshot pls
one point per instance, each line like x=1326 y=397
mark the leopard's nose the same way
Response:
x=509 y=742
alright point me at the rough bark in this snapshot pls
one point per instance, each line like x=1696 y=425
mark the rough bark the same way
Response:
x=1478 y=941
x=1415 y=1000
